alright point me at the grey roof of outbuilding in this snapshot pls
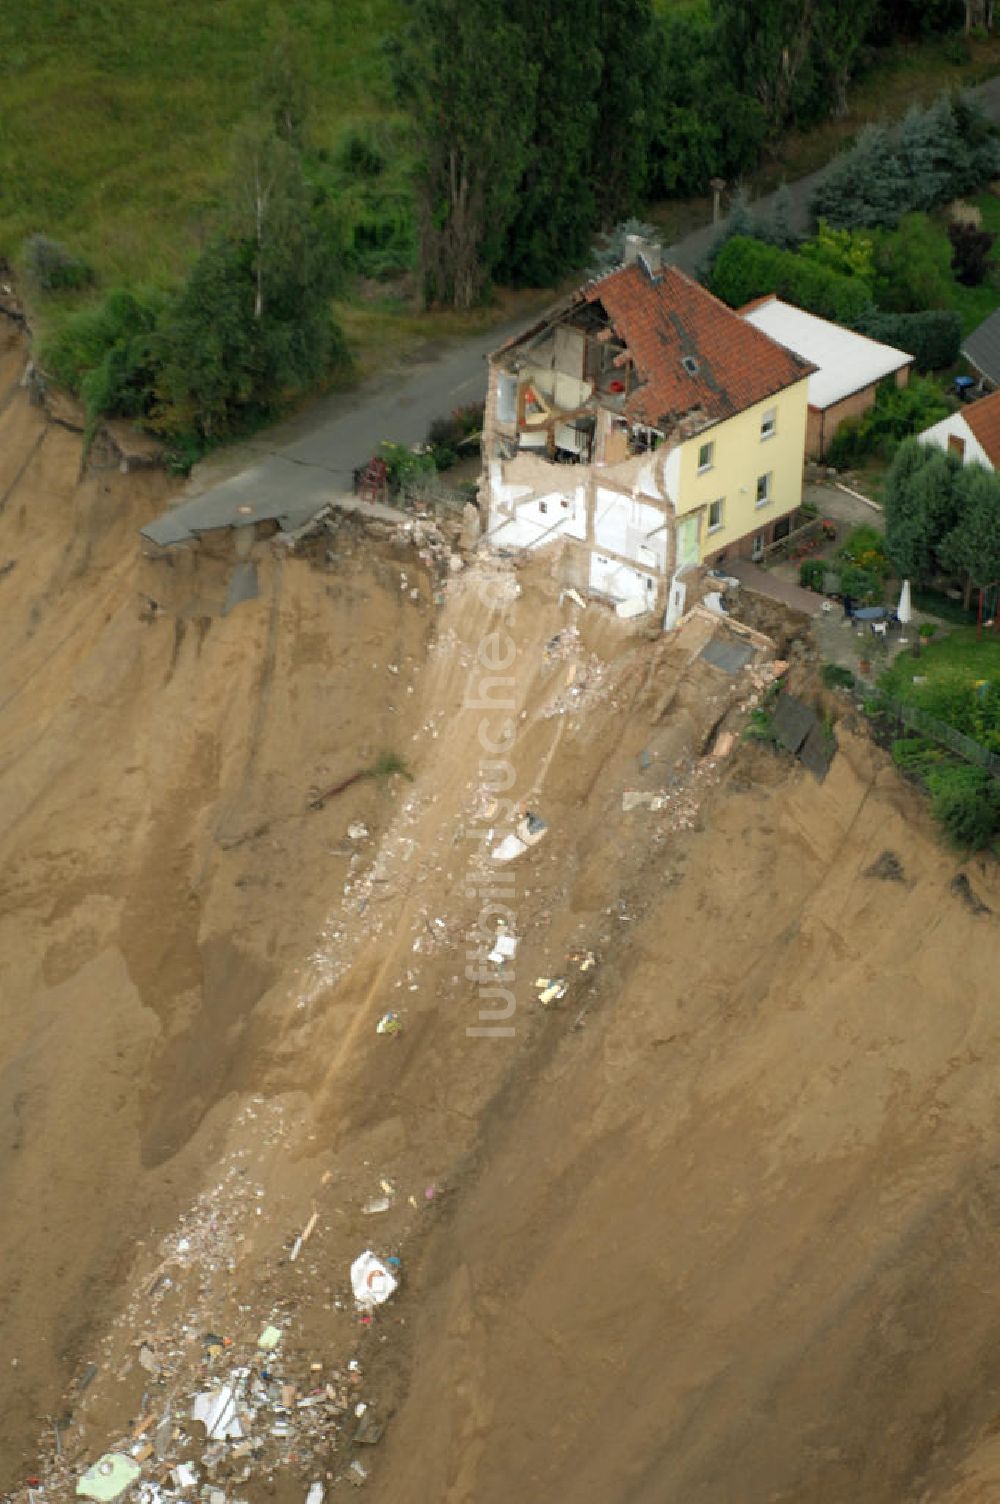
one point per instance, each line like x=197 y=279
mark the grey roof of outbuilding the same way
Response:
x=981 y=348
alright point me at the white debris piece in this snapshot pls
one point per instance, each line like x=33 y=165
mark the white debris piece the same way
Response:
x=634 y=606
x=371 y=1280
x=509 y=848
x=216 y=1409
x=316 y=1492
x=504 y=949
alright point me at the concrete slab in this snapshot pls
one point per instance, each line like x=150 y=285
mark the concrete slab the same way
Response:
x=728 y=654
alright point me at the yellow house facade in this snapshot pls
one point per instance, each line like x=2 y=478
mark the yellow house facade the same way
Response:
x=742 y=478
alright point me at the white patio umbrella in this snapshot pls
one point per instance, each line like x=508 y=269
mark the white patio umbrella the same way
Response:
x=905 y=608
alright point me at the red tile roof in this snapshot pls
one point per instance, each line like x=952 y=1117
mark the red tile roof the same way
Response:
x=664 y=318
x=983 y=417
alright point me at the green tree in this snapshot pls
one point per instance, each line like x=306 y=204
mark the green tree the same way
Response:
x=918 y=492
x=848 y=252
x=839 y=32
x=865 y=185
x=687 y=143
x=556 y=200
x=972 y=545
x=913 y=265
x=284 y=90
x=777 y=226
x=929 y=148
x=468 y=77
x=630 y=43
x=251 y=325
x=767 y=47
x=267 y=199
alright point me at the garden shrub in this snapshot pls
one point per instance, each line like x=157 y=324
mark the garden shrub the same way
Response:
x=105 y=353
x=966 y=800
x=52 y=267
x=860 y=584
x=835 y=676
x=896 y=413
x=933 y=337
x=917 y=755
x=746 y=269
x=406 y=464
x=913 y=266
x=811 y=573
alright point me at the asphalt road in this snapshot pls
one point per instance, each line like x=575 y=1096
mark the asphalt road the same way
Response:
x=302 y=465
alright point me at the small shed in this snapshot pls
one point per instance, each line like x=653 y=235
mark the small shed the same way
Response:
x=981 y=349
x=848 y=366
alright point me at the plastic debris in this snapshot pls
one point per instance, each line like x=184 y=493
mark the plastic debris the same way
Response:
x=376 y=1204
x=315 y=1493
x=369 y=1430
x=504 y=949
x=389 y=1023
x=269 y=1339
x=371 y=1280
x=148 y=1358
x=110 y=1477
x=550 y=989
x=216 y=1409
x=303 y=1237
x=529 y=832
x=508 y=849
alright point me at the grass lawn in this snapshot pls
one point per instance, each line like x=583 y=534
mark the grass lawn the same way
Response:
x=118 y=114
x=958 y=652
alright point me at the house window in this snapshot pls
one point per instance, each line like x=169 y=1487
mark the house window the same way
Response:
x=543 y=506
x=506 y=398
x=715 y=514
x=764 y=489
x=956 y=445
x=705 y=457
x=769 y=423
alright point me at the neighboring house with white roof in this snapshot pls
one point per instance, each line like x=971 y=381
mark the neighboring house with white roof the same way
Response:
x=848 y=366
x=972 y=434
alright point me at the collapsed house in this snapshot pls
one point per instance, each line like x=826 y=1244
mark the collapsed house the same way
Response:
x=647 y=427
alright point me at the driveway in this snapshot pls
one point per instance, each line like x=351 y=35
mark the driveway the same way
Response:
x=302 y=465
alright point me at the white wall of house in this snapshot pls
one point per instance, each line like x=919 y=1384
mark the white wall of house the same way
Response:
x=620 y=581
x=955 y=426
x=625 y=525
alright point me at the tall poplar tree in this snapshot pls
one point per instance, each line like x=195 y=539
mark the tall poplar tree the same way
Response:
x=557 y=202
x=468 y=78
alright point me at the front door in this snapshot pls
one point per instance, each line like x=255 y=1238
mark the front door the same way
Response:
x=687 y=540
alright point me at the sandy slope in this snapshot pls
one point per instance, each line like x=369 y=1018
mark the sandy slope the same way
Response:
x=137 y=943
x=720 y=1227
